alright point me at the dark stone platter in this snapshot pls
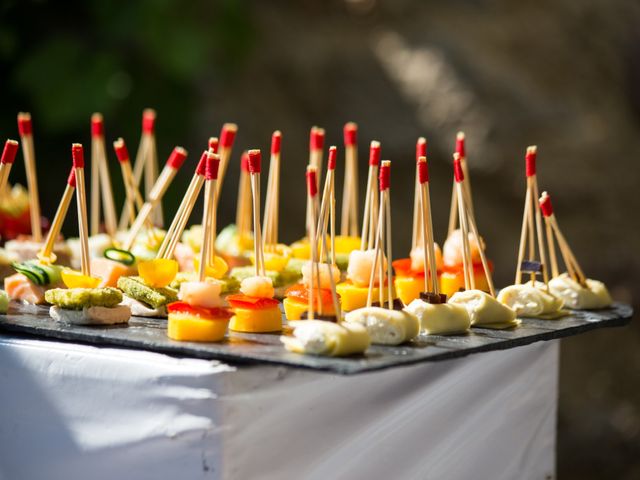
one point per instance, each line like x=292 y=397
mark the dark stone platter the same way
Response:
x=150 y=334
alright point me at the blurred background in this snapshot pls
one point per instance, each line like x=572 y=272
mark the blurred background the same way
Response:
x=562 y=74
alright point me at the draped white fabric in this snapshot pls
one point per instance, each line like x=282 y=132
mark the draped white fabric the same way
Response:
x=71 y=411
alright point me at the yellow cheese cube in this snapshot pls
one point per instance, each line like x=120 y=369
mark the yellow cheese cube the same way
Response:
x=408 y=288
x=256 y=320
x=353 y=297
x=191 y=328
x=451 y=282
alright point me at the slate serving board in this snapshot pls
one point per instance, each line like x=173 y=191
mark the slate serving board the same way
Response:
x=150 y=334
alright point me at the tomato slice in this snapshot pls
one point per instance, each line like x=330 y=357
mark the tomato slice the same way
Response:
x=301 y=292
x=210 y=313
x=252 y=303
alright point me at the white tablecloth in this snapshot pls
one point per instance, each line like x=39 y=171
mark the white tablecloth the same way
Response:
x=71 y=411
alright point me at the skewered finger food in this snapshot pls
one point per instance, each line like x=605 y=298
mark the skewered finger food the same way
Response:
x=317 y=337
x=385 y=326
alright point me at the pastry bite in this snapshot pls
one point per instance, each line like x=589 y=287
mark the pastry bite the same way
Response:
x=440 y=318
x=531 y=300
x=593 y=295
x=386 y=327
x=484 y=310
x=317 y=337
x=87 y=306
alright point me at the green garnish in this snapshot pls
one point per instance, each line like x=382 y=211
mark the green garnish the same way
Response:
x=122 y=256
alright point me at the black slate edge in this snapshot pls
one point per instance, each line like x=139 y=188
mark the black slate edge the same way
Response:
x=378 y=358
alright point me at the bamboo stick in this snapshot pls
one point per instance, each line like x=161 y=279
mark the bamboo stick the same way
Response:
x=46 y=254
x=175 y=161
x=6 y=162
x=312 y=191
x=421 y=151
x=349 y=218
x=25 y=128
x=227 y=138
x=78 y=165
x=371 y=197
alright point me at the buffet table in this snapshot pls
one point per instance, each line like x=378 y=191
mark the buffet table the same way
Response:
x=77 y=411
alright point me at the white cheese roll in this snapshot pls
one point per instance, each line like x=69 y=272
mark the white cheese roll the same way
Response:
x=578 y=297
x=317 y=337
x=483 y=309
x=386 y=327
x=440 y=318
x=529 y=301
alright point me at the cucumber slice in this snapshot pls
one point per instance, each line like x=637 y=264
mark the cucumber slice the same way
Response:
x=31 y=273
x=122 y=256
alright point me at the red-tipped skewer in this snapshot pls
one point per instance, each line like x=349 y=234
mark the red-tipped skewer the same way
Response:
x=25 y=129
x=6 y=162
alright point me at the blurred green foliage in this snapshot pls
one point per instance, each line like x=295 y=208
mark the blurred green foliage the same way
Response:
x=62 y=61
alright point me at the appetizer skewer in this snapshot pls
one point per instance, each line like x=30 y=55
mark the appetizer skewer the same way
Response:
x=82 y=303
x=466 y=186
x=574 y=288
x=349 y=218
x=370 y=216
x=533 y=298
x=434 y=314
x=255 y=309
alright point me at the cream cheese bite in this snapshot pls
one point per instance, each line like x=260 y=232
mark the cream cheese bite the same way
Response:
x=528 y=300
x=386 y=327
x=440 y=318
x=317 y=337
x=484 y=310
x=595 y=295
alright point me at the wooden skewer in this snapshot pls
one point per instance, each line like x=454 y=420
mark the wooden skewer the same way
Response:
x=466 y=185
x=387 y=195
x=547 y=210
x=215 y=166
x=104 y=180
x=46 y=252
x=243 y=209
x=312 y=191
x=270 y=223
x=148 y=127
x=6 y=162
x=430 y=268
x=77 y=153
x=255 y=160
x=184 y=210
x=371 y=197
x=421 y=151
x=378 y=259
x=25 y=128
x=325 y=205
x=535 y=193
x=96 y=132
x=175 y=161
x=349 y=219
x=466 y=253
x=123 y=157
x=227 y=138
x=570 y=260
x=523 y=237
x=207 y=217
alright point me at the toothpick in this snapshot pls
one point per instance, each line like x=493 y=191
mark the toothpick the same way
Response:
x=466 y=253
x=175 y=161
x=349 y=218
x=378 y=260
x=312 y=191
x=270 y=223
x=78 y=165
x=207 y=217
x=255 y=161
x=25 y=128
x=371 y=198
x=227 y=138
x=421 y=151
x=430 y=269
x=46 y=252
x=6 y=162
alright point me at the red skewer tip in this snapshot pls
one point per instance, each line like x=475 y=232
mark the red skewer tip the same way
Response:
x=255 y=161
x=333 y=156
x=316 y=141
x=530 y=160
x=312 y=183
x=177 y=158
x=374 y=153
x=276 y=140
x=77 y=154
x=213 y=144
x=97 y=125
x=421 y=148
x=71 y=180
x=460 y=147
x=228 y=135
x=25 y=127
x=545 y=204
x=350 y=134
x=385 y=175
x=244 y=162
x=201 y=169
x=148 y=120
x=121 y=150
x=423 y=170
x=458 y=174
x=212 y=165
x=9 y=152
